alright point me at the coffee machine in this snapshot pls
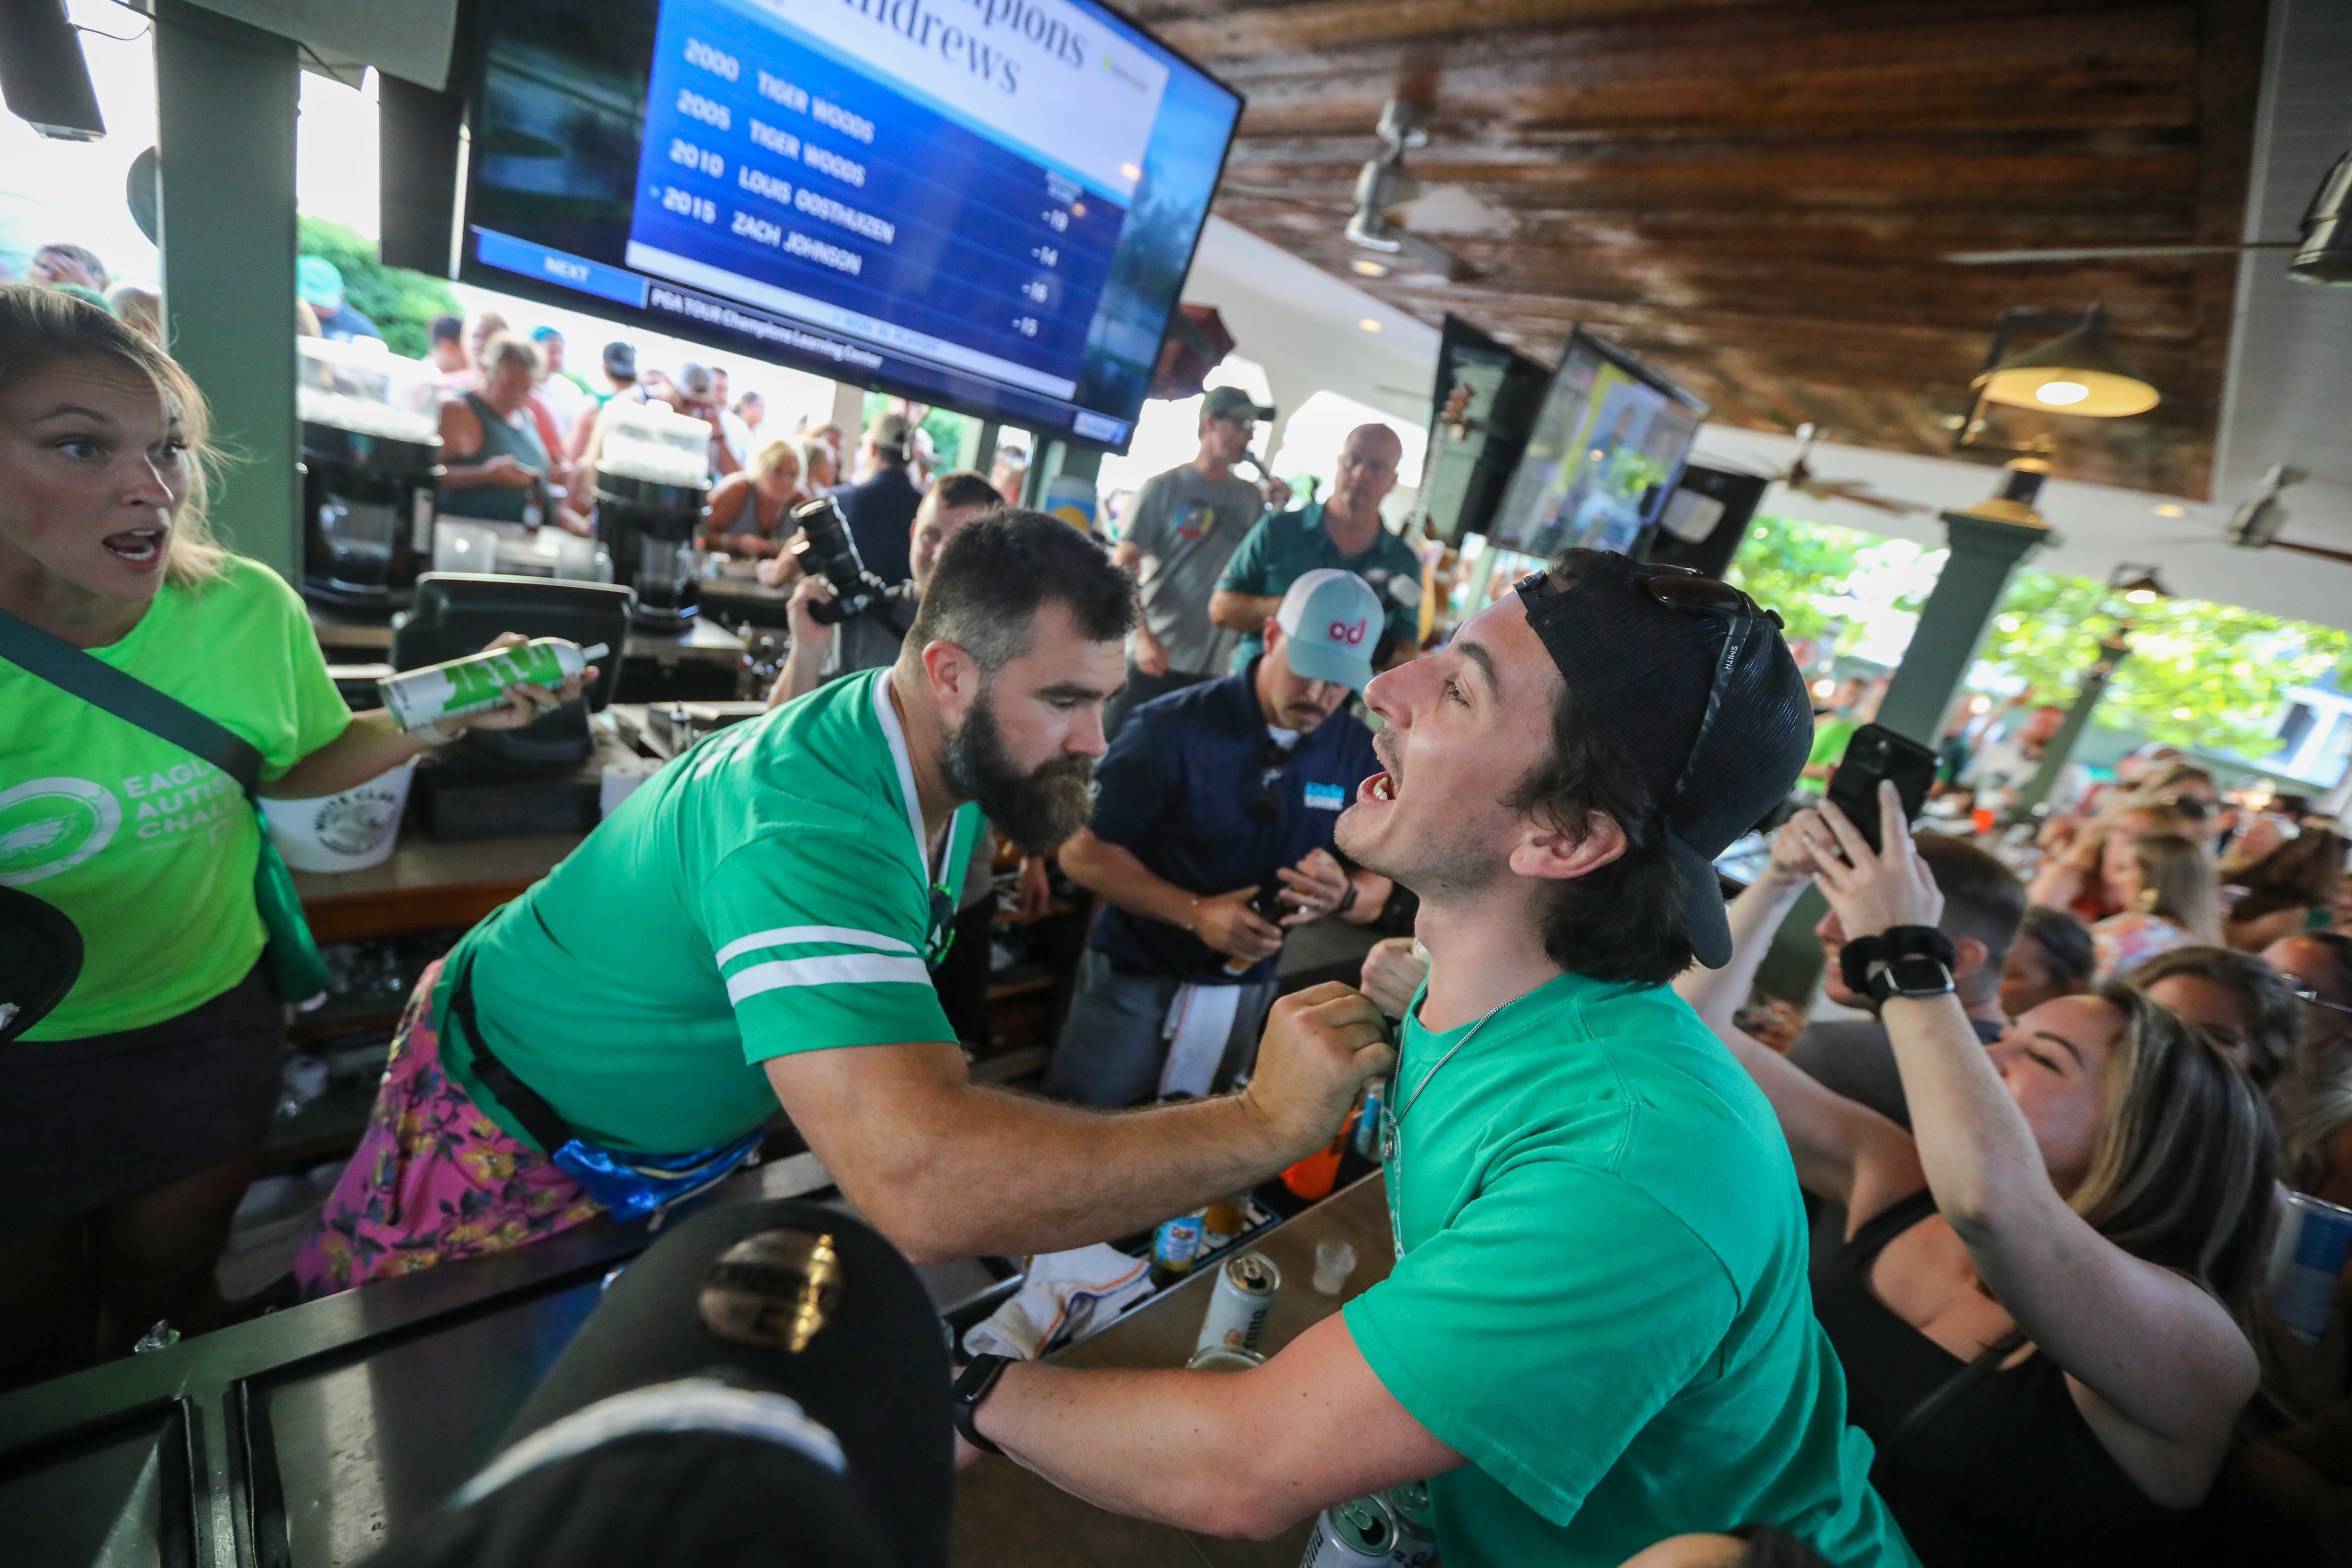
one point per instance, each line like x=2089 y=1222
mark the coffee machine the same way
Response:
x=653 y=473
x=371 y=459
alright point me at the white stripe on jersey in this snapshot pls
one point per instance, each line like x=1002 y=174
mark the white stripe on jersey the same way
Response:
x=840 y=969
x=794 y=936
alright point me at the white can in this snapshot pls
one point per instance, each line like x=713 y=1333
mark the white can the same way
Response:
x=1217 y=1358
x=477 y=682
x=1356 y=1534
x=1240 y=1303
x=2314 y=1238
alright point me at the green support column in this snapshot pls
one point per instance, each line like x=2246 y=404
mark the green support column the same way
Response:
x=2054 y=755
x=1988 y=542
x=226 y=98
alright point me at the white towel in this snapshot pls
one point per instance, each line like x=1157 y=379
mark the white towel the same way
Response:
x=1200 y=1022
x=1068 y=1296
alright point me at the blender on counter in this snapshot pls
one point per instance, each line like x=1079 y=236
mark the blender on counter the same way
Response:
x=371 y=458
x=652 y=477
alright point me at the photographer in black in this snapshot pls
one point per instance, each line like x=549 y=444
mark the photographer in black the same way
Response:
x=861 y=630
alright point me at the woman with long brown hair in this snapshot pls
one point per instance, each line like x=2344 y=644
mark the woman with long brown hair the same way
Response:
x=130 y=1116
x=2035 y=1304
x=2295 y=887
x=2169 y=900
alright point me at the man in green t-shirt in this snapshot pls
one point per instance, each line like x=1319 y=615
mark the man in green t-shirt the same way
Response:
x=1598 y=1333
x=777 y=895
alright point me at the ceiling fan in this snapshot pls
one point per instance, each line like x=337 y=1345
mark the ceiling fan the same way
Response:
x=2256 y=524
x=1799 y=476
x=1385 y=184
x=2323 y=247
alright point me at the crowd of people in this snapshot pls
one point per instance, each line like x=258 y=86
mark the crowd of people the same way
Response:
x=1971 y=1273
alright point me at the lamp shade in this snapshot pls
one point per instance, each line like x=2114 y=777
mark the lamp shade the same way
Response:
x=2078 y=372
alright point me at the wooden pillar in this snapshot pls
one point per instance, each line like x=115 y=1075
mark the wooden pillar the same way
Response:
x=226 y=99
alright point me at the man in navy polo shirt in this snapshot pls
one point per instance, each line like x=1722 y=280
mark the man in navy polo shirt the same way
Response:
x=1209 y=797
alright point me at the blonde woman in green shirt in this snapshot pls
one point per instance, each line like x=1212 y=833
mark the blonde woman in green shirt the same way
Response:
x=131 y=1115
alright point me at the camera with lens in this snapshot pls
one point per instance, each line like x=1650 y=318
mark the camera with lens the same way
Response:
x=825 y=549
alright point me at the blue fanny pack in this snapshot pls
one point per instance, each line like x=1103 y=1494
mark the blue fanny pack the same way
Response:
x=629 y=1186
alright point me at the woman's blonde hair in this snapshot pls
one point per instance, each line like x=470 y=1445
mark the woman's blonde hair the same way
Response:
x=2186 y=1154
x=43 y=327
x=2176 y=884
x=766 y=457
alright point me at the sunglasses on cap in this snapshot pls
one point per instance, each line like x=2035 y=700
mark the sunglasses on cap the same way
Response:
x=2305 y=994
x=1681 y=589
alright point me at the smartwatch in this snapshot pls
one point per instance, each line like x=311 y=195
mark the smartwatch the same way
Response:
x=1913 y=975
x=1860 y=959
x=979 y=1377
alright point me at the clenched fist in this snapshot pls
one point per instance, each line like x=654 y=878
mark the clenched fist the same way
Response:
x=1322 y=1045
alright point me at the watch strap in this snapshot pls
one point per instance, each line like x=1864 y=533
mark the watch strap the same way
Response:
x=1887 y=980
x=1856 y=957
x=974 y=1385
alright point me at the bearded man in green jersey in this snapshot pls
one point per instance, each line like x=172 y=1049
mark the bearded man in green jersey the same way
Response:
x=755 y=927
x=1598 y=1333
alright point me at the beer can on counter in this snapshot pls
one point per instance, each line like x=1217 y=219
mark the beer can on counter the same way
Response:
x=1241 y=1302
x=1416 y=1525
x=1175 y=1245
x=1360 y=1533
x=2314 y=1236
x=477 y=682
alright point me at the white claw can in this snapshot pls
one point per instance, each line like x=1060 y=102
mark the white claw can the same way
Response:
x=1240 y=1304
x=477 y=682
x=1357 y=1534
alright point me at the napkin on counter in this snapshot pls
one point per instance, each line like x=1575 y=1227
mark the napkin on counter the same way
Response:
x=1068 y=1296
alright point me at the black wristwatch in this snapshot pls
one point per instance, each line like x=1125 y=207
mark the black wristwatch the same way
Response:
x=1913 y=975
x=1347 y=901
x=979 y=1377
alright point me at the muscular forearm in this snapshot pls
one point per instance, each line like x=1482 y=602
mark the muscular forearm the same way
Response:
x=369 y=745
x=1242 y=612
x=969 y=1169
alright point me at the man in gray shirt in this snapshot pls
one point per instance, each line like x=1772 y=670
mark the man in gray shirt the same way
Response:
x=1186 y=524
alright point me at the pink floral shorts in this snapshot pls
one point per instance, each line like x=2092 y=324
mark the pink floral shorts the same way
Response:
x=434 y=1179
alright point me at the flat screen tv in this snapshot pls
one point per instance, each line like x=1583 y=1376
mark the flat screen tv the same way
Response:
x=984 y=205
x=1481 y=408
x=1606 y=449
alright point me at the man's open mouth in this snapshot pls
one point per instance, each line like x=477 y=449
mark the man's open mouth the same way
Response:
x=1380 y=786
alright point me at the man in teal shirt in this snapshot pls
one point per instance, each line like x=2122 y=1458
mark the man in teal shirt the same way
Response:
x=1345 y=532
x=1598 y=1333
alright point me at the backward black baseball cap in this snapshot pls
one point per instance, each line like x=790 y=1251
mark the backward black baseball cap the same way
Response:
x=768 y=1383
x=1646 y=673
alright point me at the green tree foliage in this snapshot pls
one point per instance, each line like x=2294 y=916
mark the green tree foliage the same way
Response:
x=402 y=302
x=1801 y=569
x=2206 y=676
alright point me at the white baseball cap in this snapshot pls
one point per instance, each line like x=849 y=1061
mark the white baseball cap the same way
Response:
x=1333 y=621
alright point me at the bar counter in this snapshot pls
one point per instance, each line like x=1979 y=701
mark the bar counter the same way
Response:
x=1006 y=1514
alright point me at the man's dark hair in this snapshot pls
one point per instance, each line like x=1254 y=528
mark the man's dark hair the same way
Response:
x=1982 y=898
x=2065 y=942
x=962 y=489
x=1619 y=922
x=449 y=329
x=997 y=570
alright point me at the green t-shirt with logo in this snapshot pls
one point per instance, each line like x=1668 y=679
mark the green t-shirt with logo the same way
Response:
x=148 y=850
x=769 y=892
x=1601 y=1299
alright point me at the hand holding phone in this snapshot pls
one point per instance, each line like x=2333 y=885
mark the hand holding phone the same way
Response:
x=1877 y=753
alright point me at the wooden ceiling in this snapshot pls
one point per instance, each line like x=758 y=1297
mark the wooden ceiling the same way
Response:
x=1753 y=195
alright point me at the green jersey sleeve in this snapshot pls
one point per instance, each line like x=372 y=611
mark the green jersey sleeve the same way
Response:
x=1545 y=1325
x=819 y=940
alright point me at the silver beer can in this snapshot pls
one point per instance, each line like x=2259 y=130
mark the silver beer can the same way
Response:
x=1240 y=1304
x=1359 y=1534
